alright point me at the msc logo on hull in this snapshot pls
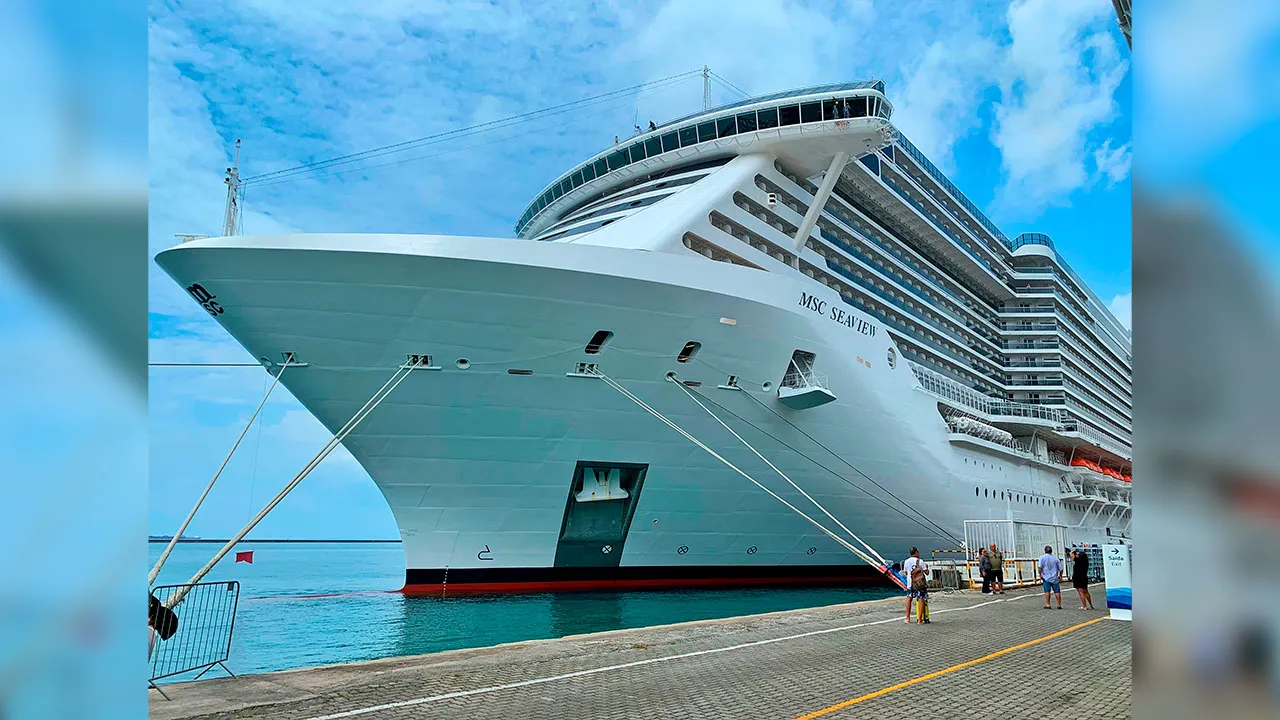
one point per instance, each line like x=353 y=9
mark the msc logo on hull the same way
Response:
x=205 y=298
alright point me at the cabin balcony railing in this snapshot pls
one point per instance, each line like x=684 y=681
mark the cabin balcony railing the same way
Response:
x=994 y=407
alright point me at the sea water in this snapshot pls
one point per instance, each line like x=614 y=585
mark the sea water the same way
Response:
x=359 y=616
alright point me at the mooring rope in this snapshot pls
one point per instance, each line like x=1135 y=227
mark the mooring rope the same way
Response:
x=164 y=556
x=884 y=568
x=781 y=474
x=370 y=405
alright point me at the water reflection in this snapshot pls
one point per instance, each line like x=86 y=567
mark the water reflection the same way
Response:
x=578 y=613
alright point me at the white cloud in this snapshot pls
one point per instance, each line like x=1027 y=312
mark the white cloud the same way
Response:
x=937 y=104
x=1058 y=85
x=1112 y=165
x=1122 y=307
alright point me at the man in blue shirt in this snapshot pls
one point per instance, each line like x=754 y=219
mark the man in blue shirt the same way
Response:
x=1050 y=576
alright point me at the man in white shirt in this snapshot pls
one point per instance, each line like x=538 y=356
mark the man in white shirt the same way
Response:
x=912 y=563
x=1050 y=576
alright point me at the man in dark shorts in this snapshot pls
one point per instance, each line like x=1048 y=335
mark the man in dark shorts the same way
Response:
x=1080 y=579
x=997 y=570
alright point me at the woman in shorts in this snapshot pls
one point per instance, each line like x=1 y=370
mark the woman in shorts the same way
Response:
x=1080 y=579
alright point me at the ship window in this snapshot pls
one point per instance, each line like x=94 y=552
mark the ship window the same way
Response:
x=984 y=492
x=726 y=127
x=616 y=160
x=670 y=141
x=565 y=186
x=688 y=136
x=857 y=107
x=811 y=112
x=588 y=173
x=598 y=341
x=975 y=489
x=767 y=118
x=747 y=122
x=652 y=147
x=576 y=179
x=688 y=352
x=706 y=131
x=892 y=358
x=556 y=191
x=637 y=152
x=828 y=109
x=789 y=114
x=601 y=167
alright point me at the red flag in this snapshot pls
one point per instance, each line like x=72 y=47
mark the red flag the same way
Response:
x=246 y=557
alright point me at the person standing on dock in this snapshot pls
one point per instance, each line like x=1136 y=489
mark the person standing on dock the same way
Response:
x=1051 y=575
x=997 y=570
x=918 y=585
x=984 y=568
x=1080 y=579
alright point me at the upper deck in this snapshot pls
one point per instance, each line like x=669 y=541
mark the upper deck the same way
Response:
x=845 y=116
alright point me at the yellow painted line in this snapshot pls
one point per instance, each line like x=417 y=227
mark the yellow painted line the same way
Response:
x=945 y=671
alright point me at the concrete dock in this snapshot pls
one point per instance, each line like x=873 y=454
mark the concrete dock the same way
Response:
x=986 y=656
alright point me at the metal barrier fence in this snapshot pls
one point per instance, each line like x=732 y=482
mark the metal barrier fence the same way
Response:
x=1018 y=572
x=202 y=641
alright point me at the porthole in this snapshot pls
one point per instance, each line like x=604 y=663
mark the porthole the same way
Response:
x=975 y=491
x=984 y=492
x=598 y=341
x=690 y=350
x=767 y=386
x=463 y=363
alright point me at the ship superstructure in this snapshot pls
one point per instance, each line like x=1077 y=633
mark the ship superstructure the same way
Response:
x=793 y=260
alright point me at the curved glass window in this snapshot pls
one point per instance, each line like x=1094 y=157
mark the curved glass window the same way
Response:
x=704 y=131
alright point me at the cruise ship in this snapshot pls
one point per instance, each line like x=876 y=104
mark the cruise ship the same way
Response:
x=712 y=354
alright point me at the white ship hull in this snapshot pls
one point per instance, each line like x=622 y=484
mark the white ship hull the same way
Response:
x=477 y=463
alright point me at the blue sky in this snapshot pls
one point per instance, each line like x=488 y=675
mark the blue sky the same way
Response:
x=1026 y=106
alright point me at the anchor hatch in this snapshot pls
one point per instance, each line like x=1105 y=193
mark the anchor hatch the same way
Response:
x=597 y=515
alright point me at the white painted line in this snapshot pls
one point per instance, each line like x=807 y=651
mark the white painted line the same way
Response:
x=623 y=666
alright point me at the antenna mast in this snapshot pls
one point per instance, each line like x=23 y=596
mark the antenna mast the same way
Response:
x=706 y=88
x=231 y=217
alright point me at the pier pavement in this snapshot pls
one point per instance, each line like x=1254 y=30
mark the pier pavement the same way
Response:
x=1002 y=656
